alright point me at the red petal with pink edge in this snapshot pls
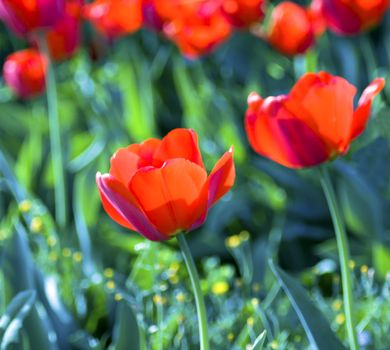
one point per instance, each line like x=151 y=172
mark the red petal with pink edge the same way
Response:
x=362 y=112
x=121 y=208
x=222 y=177
x=179 y=143
x=276 y=132
x=173 y=196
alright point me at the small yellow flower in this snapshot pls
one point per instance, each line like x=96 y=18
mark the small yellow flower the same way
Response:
x=250 y=321
x=340 y=319
x=159 y=300
x=233 y=241
x=255 y=302
x=25 y=206
x=351 y=264
x=180 y=297
x=118 y=297
x=336 y=305
x=110 y=284
x=108 y=272
x=274 y=344
x=364 y=269
x=77 y=257
x=51 y=241
x=66 y=252
x=244 y=236
x=230 y=336
x=174 y=279
x=174 y=266
x=220 y=287
x=36 y=224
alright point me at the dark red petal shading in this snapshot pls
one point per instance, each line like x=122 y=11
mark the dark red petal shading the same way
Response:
x=121 y=207
x=277 y=133
x=362 y=112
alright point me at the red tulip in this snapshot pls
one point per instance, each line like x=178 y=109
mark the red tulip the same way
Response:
x=291 y=29
x=24 y=72
x=160 y=187
x=350 y=17
x=151 y=17
x=64 y=39
x=243 y=13
x=114 y=18
x=25 y=16
x=196 y=27
x=315 y=122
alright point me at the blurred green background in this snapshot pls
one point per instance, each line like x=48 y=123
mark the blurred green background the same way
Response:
x=99 y=286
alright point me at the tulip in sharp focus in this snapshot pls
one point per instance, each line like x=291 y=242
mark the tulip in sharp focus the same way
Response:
x=243 y=13
x=315 y=122
x=114 y=18
x=24 y=72
x=291 y=29
x=350 y=17
x=160 y=187
x=26 y=16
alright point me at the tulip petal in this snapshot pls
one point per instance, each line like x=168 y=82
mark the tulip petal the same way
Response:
x=179 y=143
x=222 y=177
x=276 y=131
x=328 y=102
x=362 y=112
x=173 y=196
x=120 y=206
x=126 y=161
x=340 y=17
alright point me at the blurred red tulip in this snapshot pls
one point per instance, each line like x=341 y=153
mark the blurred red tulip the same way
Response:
x=350 y=17
x=291 y=29
x=151 y=17
x=243 y=13
x=64 y=39
x=25 y=16
x=160 y=187
x=114 y=18
x=196 y=27
x=24 y=72
x=312 y=124
x=316 y=17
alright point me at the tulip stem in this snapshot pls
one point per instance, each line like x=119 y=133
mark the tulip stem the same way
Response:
x=343 y=251
x=55 y=136
x=199 y=300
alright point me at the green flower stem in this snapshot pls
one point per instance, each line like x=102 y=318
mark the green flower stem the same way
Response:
x=200 y=306
x=55 y=137
x=343 y=250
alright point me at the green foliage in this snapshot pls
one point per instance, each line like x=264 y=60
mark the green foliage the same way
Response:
x=95 y=285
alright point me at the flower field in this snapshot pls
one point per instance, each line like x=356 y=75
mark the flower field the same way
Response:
x=194 y=174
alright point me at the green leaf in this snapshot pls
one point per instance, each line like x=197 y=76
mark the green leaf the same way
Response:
x=381 y=259
x=11 y=322
x=259 y=342
x=317 y=328
x=127 y=334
